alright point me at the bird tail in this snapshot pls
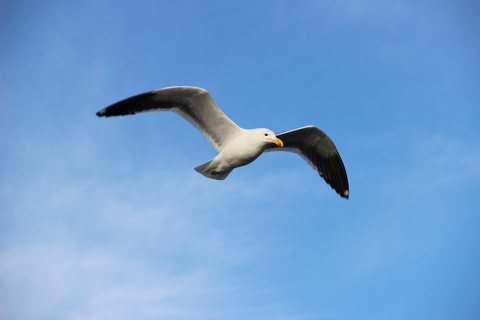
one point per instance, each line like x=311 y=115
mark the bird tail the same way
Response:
x=208 y=169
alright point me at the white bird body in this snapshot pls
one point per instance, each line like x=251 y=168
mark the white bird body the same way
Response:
x=237 y=146
x=239 y=152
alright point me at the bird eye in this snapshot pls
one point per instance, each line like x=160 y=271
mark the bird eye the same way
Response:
x=266 y=134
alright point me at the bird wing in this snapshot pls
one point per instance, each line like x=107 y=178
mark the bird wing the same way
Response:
x=193 y=104
x=315 y=147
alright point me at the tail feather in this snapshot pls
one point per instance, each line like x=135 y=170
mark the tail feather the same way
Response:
x=208 y=170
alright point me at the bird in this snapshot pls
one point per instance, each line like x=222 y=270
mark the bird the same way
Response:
x=237 y=146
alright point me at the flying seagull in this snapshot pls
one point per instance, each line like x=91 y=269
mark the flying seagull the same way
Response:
x=237 y=146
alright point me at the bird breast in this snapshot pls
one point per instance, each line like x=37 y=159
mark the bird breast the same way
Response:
x=240 y=152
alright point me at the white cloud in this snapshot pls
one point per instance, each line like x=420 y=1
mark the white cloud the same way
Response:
x=152 y=245
x=60 y=282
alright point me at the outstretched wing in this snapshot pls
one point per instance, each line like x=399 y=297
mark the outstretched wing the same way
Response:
x=193 y=104
x=313 y=145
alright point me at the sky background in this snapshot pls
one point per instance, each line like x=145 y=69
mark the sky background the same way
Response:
x=106 y=218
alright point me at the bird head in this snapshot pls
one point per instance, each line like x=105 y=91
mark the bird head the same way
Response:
x=269 y=137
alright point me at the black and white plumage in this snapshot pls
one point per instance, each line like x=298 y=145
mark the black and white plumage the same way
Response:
x=237 y=146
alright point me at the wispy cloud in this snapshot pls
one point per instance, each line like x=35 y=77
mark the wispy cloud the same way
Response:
x=61 y=282
x=152 y=245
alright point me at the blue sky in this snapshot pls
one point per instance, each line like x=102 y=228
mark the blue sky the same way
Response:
x=106 y=218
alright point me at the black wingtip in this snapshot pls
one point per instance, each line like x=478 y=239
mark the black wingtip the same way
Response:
x=101 y=113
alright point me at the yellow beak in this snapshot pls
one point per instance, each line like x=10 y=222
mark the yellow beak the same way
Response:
x=278 y=142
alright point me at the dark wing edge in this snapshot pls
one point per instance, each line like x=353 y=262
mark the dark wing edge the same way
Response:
x=143 y=102
x=319 y=151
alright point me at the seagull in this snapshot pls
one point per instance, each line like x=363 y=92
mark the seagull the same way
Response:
x=237 y=146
